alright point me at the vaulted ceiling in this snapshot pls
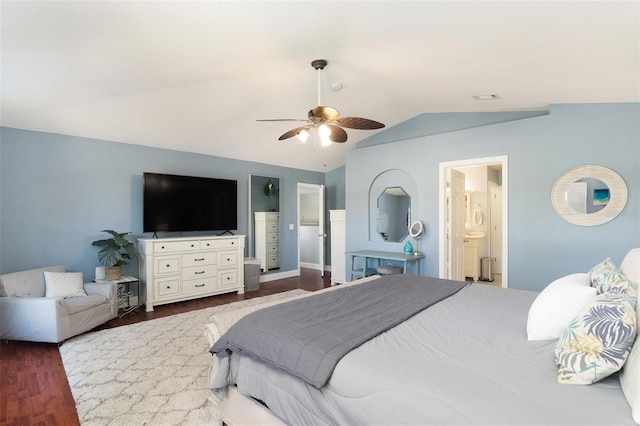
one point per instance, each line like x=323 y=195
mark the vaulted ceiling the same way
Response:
x=195 y=76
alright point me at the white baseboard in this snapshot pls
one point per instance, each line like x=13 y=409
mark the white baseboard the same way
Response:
x=315 y=266
x=278 y=275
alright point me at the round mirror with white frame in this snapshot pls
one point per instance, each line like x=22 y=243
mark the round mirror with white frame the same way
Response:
x=589 y=195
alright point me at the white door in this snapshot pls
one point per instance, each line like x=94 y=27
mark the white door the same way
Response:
x=455 y=220
x=496 y=227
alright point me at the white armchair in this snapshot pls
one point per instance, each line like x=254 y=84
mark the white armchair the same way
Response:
x=26 y=314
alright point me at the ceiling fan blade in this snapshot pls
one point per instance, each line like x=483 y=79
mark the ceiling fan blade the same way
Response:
x=337 y=134
x=359 y=123
x=324 y=112
x=293 y=132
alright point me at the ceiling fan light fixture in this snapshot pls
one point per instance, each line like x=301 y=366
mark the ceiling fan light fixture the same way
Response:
x=324 y=132
x=302 y=136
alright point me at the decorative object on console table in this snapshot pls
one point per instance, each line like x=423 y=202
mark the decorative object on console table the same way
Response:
x=416 y=230
x=125 y=295
x=177 y=269
x=113 y=253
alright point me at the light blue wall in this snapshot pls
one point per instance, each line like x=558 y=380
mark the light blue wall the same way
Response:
x=57 y=192
x=542 y=246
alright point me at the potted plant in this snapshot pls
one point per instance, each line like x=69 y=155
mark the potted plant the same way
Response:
x=114 y=252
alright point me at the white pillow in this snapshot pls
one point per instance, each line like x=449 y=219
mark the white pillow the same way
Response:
x=64 y=284
x=630 y=380
x=557 y=305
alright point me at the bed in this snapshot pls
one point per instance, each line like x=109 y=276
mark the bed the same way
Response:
x=465 y=359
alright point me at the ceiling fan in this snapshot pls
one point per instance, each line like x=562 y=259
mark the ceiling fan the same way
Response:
x=327 y=120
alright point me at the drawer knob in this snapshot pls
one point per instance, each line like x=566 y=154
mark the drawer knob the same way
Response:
x=198 y=260
x=199 y=285
x=199 y=272
x=162 y=247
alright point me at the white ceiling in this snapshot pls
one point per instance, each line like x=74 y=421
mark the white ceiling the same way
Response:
x=195 y=76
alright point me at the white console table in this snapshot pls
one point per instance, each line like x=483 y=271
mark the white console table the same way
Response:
x=379 y=256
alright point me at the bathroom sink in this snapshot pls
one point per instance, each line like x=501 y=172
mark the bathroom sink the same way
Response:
x=475 y=234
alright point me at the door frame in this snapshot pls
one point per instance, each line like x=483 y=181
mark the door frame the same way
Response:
x=306 y=188
x=503 y=160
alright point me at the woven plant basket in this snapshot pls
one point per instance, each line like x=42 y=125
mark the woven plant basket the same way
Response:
x=113 y=273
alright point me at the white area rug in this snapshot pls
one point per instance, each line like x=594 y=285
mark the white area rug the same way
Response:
x=152 y=372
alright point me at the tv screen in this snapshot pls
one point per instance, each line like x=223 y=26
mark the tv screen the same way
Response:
x=184 y=203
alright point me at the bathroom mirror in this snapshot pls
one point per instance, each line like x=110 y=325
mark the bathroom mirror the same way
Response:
x=589 y=195
x=264 y=197
x=393 y=214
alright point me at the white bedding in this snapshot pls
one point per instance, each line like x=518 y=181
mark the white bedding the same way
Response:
x=466 y=360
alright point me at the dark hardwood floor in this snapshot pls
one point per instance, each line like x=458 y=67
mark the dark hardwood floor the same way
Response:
x=33 y=384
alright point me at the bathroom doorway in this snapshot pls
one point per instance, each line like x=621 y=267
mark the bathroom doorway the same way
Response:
x=485 y=220
x=311 y=234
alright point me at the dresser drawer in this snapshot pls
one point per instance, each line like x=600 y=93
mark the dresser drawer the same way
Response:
x=273 y=261
x=226 y=243
x=273 y=216
x=166 y=265
x=273 y=249
x=197 y=259
x=167 y=287
x=227 y=259
x=273 y=238
x=273 y=227
x=198 y=272
x=169 y=246
x=228 y=279
x=204 y=285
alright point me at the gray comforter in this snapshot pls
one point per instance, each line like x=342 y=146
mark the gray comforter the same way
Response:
x=308 y=337
x=463 y=361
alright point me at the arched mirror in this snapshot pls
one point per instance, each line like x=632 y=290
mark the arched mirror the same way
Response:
x=589 y=195
x=393 y=214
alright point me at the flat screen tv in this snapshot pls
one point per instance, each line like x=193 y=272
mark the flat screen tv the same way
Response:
x=184 y=203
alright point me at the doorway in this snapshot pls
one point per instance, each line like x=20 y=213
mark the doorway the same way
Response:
x=486 y=202
x=311 y=232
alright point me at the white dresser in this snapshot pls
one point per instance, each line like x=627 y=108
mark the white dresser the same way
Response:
x=267 y=240
x=338 y=246
x=176 y=269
